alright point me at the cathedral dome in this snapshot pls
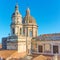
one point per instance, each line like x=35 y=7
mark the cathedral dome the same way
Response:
x=28 y=18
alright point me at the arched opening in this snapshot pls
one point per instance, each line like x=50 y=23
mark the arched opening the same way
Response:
x=20 y=31
x=24 y=31
x=30 y=33
x=13 y=31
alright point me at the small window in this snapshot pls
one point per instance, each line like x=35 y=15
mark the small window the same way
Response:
x=13 y=30
x=55 y=49
x=40 y=48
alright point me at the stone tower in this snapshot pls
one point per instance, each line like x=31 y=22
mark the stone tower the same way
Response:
x=16 y=25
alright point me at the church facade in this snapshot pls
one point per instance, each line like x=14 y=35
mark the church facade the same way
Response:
x=22 y=31
x=24 y=37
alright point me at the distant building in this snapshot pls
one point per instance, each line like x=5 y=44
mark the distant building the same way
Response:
x=22 y=31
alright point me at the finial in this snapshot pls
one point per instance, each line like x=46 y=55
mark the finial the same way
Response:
x=16 y=7
x=28 y=11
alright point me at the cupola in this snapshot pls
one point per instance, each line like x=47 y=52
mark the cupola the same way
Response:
x=28 y=19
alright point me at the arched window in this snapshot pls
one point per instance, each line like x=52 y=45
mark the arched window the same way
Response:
x=13 y=31
x=20 y=31
x=30 y=33
x=23 y=30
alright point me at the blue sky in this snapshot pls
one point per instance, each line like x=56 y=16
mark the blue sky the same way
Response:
x=46 y=13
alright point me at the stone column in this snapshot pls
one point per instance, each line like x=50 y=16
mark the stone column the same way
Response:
x=51 y=48
x=59 y=49
x=43 y=48
x=37 y=48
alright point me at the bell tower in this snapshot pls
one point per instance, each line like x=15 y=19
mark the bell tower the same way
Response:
x=16 y=24
x=30 y=28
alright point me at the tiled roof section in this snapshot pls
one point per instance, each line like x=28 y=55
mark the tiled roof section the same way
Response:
x=55 y=36
x=6 y=53
x=40 y=57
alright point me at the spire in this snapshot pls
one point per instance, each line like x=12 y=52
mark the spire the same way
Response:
x=16 y=7
x=28 y=12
